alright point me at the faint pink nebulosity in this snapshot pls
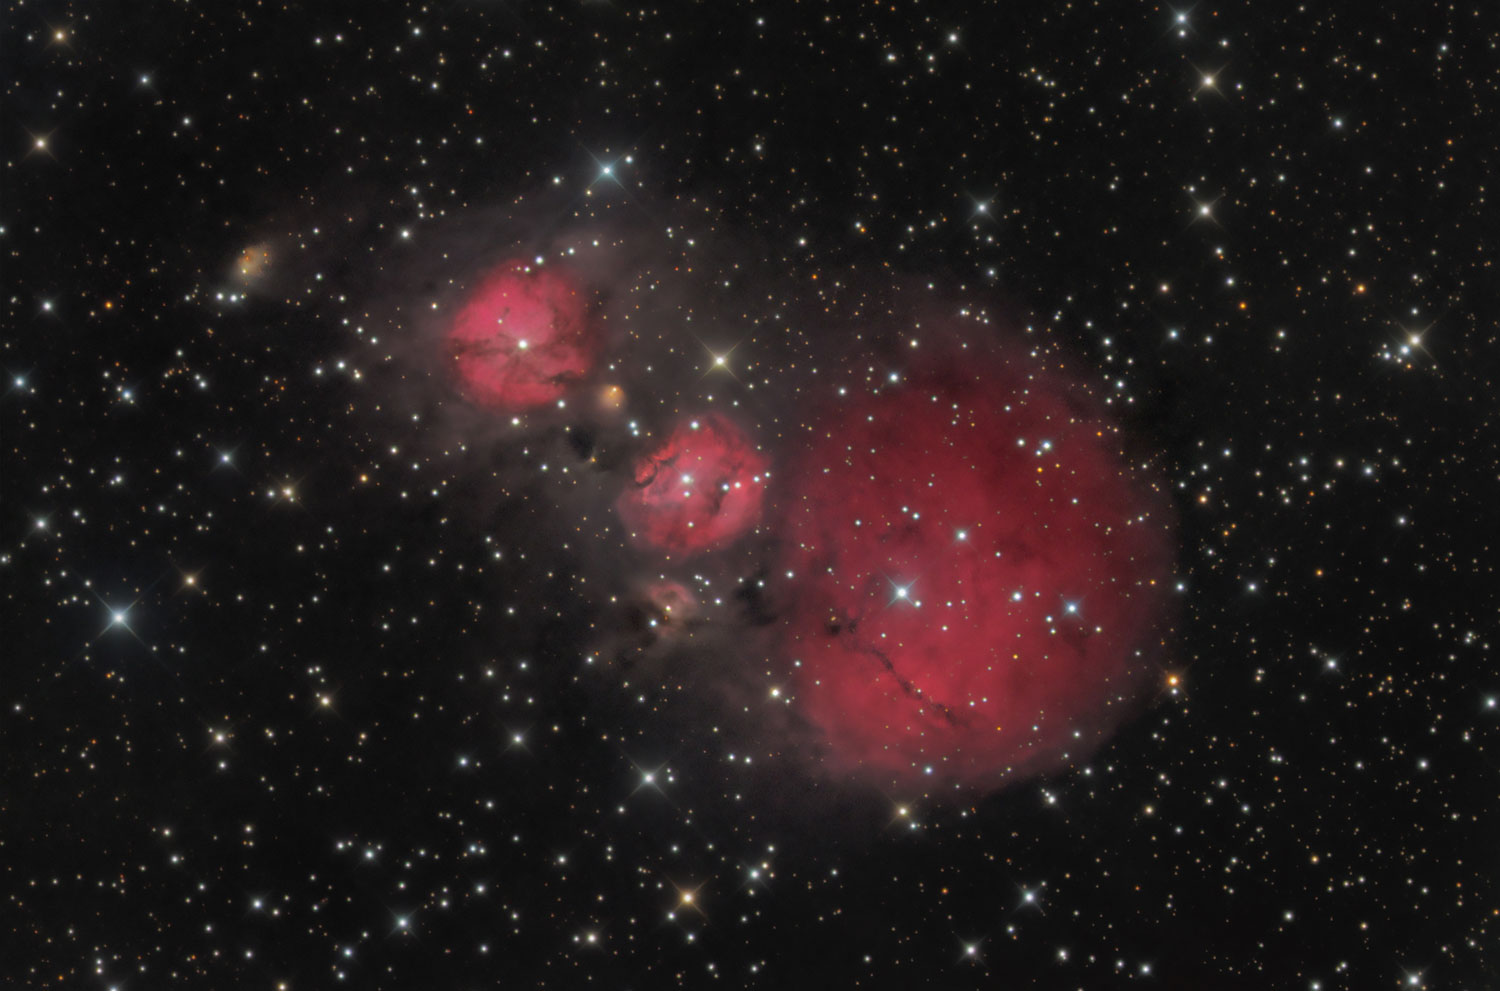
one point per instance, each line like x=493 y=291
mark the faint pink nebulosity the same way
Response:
x=672 y=599
x=702 y=488
x=522 y=338
x=978 y=576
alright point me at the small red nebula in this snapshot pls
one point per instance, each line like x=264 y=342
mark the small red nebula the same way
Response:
x=522 y=338
x=977 y=575
x=672 y=601
x=702 y=488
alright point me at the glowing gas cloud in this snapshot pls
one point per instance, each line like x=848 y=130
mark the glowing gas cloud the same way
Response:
x=979 y=577
x=699 y=489
x=522 y=338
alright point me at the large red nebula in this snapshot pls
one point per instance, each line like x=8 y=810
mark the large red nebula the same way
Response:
x=701 y=488
x=521 y=338
x=978 y=578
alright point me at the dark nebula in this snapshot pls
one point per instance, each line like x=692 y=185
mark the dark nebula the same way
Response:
x=980 y=577
x=700 y=489
x=522 y=338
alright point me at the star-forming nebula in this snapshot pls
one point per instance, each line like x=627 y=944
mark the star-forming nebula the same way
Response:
x=981 y=577
x=700 y=489
x=522 y=338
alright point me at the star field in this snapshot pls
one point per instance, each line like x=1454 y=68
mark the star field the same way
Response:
x=333 y=657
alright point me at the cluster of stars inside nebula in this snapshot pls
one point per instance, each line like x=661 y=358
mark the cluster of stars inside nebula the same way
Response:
x=702 y=487
x=984 y=580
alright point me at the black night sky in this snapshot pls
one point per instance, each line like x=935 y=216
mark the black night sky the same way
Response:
x=769 y=495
